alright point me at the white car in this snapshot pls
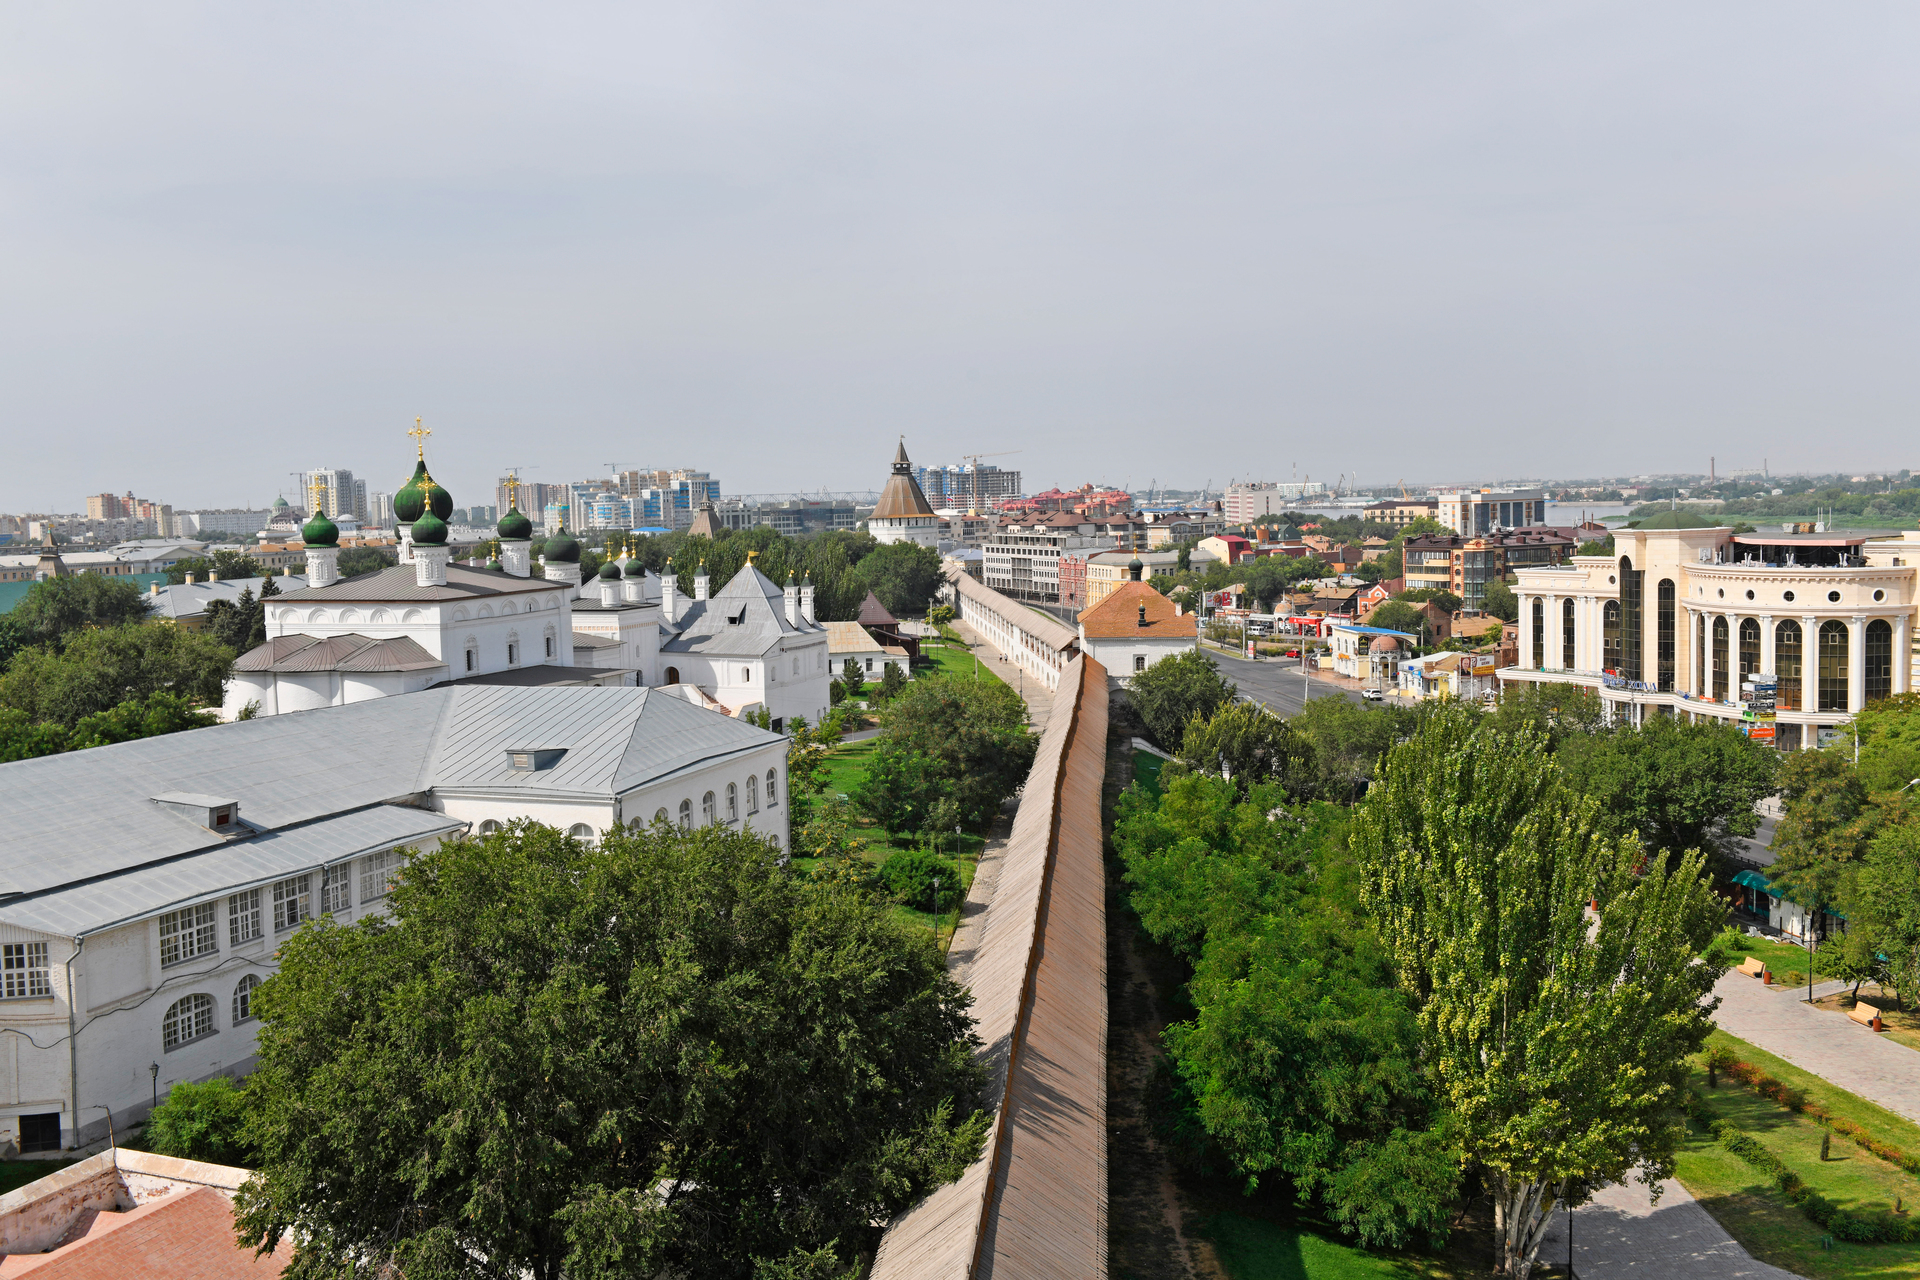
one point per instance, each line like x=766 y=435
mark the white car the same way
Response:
x=1372 y=695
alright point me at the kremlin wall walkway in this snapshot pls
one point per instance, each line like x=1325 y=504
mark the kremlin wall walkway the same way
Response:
x=1033 y=952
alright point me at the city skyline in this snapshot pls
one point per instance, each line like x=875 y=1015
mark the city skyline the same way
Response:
x=1566 y=241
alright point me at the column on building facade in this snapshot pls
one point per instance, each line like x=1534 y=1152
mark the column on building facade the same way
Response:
x=1766 y=646
x=1582 y=613
x=1556 y=637
x=1809 y=662
x=1856 y=662
x=1902 y=654
x=1525 y=655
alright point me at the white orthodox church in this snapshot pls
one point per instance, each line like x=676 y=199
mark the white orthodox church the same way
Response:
x=428 y=621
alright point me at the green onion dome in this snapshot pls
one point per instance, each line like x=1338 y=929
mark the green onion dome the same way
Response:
x=562 y=548
x=429 y=531
x=516 y=526
x=495 y=565
x=320 y=531
x=410 y=503
x=609 y=572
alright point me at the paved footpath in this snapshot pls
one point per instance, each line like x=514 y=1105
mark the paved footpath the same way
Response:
x=1830 y=1045
x=1621 y=1233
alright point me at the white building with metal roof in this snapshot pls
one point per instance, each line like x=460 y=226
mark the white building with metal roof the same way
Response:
x=755 y=644
x=145 y=886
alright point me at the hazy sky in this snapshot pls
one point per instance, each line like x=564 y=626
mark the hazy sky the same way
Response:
x=1184 y=242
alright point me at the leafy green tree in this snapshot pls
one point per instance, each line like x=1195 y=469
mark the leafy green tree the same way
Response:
x=205 y=1121
x=98 y=670
x=1556 y=712
x=852 y=679
x=227 y=564
x=51 y=611
x=904 y=575
x=358 y=560
x=1829 y=822
x=1677 y=786
x=909 y=875
x=1398 y=615
x=241 y=623
x=1301 y=1058
x=1438 y=596
x=149 y=717
x=965 y=740
x=807 y=766
x=1558 y=1037
x=1883 y=906
x=1502 y=603
x=1348 y=738
x=1595 y=547
x=661 y=1055
x=940 y=615
x=1247 y=744
x=1889 y=731
x=1172 y=691
x=892 y=682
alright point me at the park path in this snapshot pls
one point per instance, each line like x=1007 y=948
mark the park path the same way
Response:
x=1622 y=1235
x=1830 y=1045
x=1039 y=698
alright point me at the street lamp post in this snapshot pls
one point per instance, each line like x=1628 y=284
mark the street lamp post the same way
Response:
x=155 y=1069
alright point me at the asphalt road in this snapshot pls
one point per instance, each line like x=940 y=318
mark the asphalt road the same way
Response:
x=1275 y=683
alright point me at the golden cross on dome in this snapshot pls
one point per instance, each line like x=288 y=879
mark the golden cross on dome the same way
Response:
x=420 y=434
x=513 y=491
x=751 y=555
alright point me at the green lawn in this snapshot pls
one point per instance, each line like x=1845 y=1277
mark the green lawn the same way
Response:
x=1260 y=1249
x=955 y=661
x=15 y=1174
x=1146 y=771
x=1786 y=960
x=846 y=767
x=1745 y=1201
x=1877 y=1120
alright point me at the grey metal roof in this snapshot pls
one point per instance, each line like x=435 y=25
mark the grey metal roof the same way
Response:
x=190 y=599
x=75 y=910
x=84 y=815
x=400 y=583
x=616 y=739
x=745 y=620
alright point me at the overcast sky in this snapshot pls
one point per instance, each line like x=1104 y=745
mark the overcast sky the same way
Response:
x=1183 y=242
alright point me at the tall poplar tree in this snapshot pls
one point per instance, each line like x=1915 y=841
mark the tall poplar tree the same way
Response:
x=1556 y=1033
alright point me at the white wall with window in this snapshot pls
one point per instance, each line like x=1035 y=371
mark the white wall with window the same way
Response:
x=172 y=989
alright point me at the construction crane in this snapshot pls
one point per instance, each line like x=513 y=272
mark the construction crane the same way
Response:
x=973 y=507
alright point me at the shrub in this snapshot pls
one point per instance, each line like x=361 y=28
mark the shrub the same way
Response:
x=909 y=876
x=203 y=1121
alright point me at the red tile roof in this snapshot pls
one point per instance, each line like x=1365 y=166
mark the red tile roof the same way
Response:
x=1118 y=616
x=187 y=1236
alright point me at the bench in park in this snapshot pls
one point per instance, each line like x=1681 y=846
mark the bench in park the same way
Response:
x=1754 y=967
x=1867 y=1016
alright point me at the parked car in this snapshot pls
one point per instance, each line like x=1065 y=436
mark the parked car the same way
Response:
x=1372 y=695
x=1293 y=653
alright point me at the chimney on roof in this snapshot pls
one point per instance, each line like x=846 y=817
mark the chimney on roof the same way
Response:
x=213 y=577
x=189 y=579
x=153 y=588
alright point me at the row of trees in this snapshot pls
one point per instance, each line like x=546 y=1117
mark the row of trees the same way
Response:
x=1402 y=997
x=1849 y=842
x=80 y=666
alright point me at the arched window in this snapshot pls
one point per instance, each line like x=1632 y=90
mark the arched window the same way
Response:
x=243 y=999
x=1631 y=625
x=753 y=793
x=1665 y=627
x=1720 y=659
x=1879 y=660
x=1749 y=650
x=1539 y=632
x=1610 y=637
x=686 y=815
x=488 y=827
x=673 y=675
x=733 y=803
x=1787 y=656
x=706 y=809
x=1566 y=633
x=582 y=832
x=773 y=789
x=187 y=1019
x=660 y=815
x=1833 y=666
